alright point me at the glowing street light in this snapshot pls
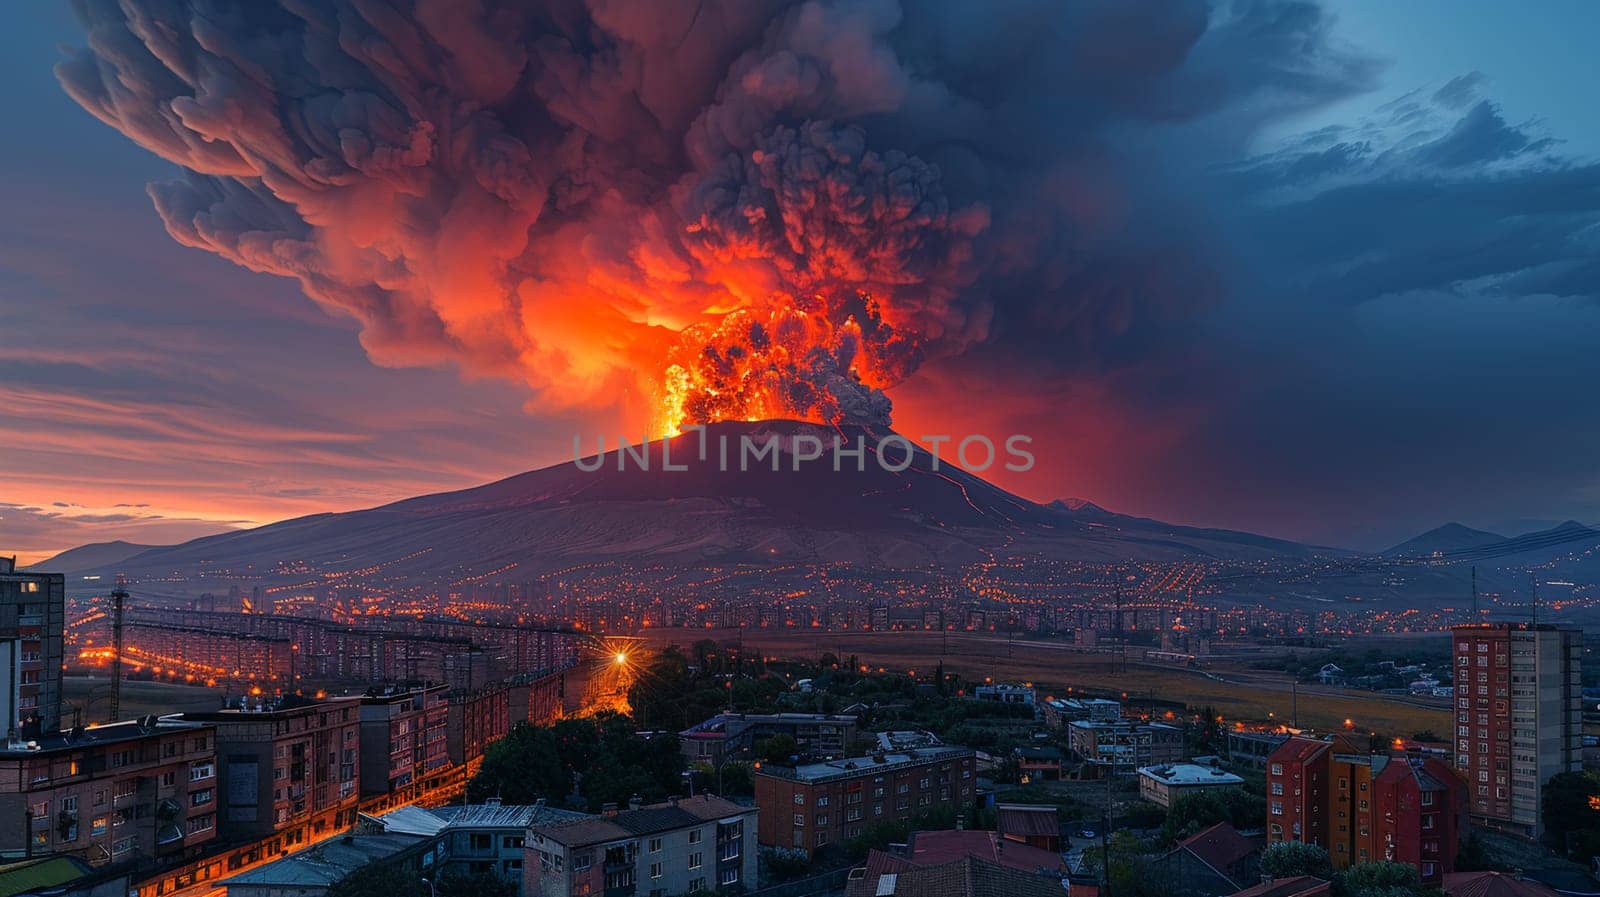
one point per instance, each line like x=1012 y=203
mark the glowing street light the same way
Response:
x=621 y=658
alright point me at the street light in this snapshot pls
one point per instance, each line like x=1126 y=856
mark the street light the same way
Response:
x=433 y=891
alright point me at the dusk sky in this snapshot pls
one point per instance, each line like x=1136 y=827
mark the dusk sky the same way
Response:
x=1327 y=273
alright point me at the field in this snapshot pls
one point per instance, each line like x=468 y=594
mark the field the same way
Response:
x=1056 y=668
x=139 y=698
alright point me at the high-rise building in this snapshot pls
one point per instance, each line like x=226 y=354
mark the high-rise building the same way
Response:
x=1363 y=806
x=32 y=614
x=1519 y=717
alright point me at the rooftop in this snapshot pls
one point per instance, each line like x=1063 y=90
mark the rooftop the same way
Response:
x=1493 y=884
x=1220 y=847
x=648 y=820
x=965 y=877
x=326 y=863
x=932 y=848
x=1298 y=886
x=92 y=736
x=851 y=767
x=724 y=724
x=1189 y=774
x=30 y=876
x=1028 y=820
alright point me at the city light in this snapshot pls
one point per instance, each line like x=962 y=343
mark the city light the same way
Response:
x=620 y=658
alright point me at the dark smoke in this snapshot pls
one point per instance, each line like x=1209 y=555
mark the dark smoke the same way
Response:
x=554 y=191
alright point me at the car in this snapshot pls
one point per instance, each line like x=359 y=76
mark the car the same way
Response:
x=1087 y=833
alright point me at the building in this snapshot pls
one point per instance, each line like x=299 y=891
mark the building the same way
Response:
x=1250 y=748
x=1165 y=785
x=734 y=736
x=1038 y=764
x=811 y=806
x=478 y=838
x=311 y=872
x=32 y=619
x=1298 y=886
x=1058 y=712
x=700 y=843
x=935 y=848
x=1495 y=884
x=1036 y=825
x=1213 y=862
x=1125 y=743
x=1362 y=806
x=287 y=766
x=1002 y=693
x=886 y=875
x=403 y=737
x=144 y=788
x=473 y=719
x=1519 y=717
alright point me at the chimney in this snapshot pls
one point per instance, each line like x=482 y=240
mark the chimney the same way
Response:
x=608 y=809
x=635 y=802
x=492 y=801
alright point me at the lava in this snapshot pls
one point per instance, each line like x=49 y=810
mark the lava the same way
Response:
x=814 y=359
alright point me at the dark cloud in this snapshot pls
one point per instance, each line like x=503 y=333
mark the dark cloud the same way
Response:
x=1460 y=91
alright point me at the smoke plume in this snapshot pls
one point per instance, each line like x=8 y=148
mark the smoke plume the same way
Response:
x=736 y=207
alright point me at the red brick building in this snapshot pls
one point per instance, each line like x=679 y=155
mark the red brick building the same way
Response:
x=1361 y=806
x=811 y=806
x=403 y=737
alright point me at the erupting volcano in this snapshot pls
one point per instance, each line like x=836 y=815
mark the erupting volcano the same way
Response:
x=811 y=361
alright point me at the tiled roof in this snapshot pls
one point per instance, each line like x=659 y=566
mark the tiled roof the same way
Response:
x=933 y=848
x=1298 y=886
x=662 y=817
x=1493 y=884
x=1028 y=821
x=328 y=862
x=1220 y=847
x=966 y=877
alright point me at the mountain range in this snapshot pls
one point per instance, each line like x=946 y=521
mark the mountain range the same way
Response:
x=926 y=516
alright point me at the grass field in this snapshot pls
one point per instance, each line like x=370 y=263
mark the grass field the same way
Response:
x=92 y=694
x=1053 y=668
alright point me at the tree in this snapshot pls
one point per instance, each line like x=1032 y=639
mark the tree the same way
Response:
x=1287 y=859
x=1194 y=813
x=1570 y=801
x=1382 y=878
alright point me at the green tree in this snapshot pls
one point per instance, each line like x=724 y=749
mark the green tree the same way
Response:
x=1570 y=800
x=1194 y=813
x=1382 y=878
x=1287 y=859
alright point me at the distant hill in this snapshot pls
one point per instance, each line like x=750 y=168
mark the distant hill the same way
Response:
x=94 y=556
x=1443 y=540
x=560 y=516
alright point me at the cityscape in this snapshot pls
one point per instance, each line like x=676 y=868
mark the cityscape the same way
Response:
x=799 y=448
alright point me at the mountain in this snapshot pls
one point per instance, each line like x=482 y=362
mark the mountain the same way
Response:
x=1443 y=540
x=922 y=517
x=95 y=555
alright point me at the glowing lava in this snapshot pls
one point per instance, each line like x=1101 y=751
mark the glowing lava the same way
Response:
x=815 y=360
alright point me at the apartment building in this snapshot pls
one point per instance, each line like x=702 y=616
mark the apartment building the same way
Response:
x=1165 y=785
x=734 y=736
x=32 y=617
x=1124 y=743
x=681 y=846
x=486 y=838
x=473 y=719
x=143 y=788
x=1519 y=719
x=287 y=766
x=403 y=736
x=1362 y=806
x=811 y=806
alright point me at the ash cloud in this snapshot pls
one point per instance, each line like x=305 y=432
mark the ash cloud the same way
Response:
x=554 y=192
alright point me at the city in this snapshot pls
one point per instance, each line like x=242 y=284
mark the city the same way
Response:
x=799 y=448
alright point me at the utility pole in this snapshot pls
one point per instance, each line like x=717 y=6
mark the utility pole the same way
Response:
x=1474 y=593
x=1294 y=700
x=119 y=596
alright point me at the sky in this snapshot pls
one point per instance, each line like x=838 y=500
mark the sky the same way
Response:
x=1340 y=301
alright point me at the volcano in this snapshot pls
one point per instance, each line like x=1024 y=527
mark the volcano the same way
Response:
x=562 y=516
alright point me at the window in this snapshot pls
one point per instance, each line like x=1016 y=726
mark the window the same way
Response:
x=822 y=801
x=730 y=876
x=694 y=860
x=799 y=819
x=201 y=771
x=98 y=825
x=202 y=824
x=480 y=841
x=822 y=819
x=695 y=835
x=511 y=842
x=800 y=800
x=1277 y=788
x=201 y=798
x=1277 y=808
x=655 y=870
x=1277 y=769
x=655 y=845
x=581 y=862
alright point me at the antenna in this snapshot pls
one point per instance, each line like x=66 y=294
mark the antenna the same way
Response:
x=119 y=596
